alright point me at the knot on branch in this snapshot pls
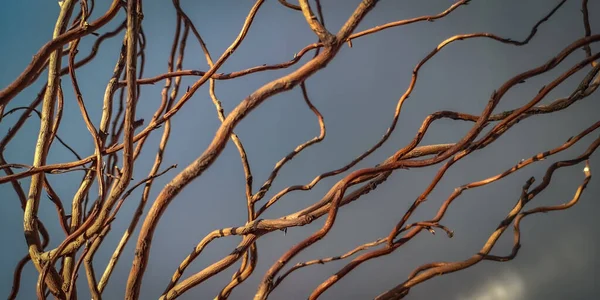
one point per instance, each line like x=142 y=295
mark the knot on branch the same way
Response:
x=328 y=39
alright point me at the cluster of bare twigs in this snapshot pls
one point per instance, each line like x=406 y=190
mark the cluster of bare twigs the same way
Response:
x=112 y=162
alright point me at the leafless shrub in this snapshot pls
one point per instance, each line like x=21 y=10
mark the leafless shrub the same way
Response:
x=112 y=163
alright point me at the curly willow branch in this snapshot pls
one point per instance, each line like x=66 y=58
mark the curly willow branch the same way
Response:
x=88 y=221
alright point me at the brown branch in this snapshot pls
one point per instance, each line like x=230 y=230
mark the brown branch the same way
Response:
x=431 y=270
x=326 y=260
x=406 y=22
x=264 y=226
x=400 y=103
x=326 y=37
x=267 y=185
x=88 y=263
x=289 y=5
x=225 y=76
x=139 y=263
x=214 y=149
x=58 y=41
x=113 y=160
x=250 y=257
x=45 y=137
x=21 y=264
x=394 y=245
x=166 y=103
x=587 y=28
x=541 y=209
x=62 y=219
x=19 y=124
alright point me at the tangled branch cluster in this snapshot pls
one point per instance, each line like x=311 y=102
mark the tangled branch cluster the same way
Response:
x=112 y=163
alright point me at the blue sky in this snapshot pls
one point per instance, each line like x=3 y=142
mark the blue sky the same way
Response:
x=357 y=94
